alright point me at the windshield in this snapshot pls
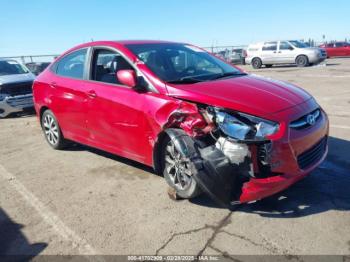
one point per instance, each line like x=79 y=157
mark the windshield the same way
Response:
x=298 y=44
x=179 y=63
x=11 y=67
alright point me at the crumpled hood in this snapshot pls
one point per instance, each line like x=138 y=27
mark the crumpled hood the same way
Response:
x=7 y=79
x=250 y=94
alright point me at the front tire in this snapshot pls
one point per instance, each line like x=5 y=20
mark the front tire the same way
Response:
x=177 y=172
x=302 y=61
x=52 y=130
x=256 y=63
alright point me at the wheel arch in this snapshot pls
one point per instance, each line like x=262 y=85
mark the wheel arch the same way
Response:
x=257 y=57
x=157 y=151
x=42 y=110
x=172 y=133
x=299 y=55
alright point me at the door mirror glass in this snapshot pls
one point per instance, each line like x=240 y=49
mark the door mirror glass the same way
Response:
x=127 y=77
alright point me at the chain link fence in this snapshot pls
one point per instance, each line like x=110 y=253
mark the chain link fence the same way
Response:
x=233 y=53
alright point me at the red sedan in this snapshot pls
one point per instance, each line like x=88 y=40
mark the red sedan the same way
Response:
x=201 y=122
x=337 y=49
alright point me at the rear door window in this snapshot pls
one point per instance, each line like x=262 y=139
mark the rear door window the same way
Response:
x=270 y=46
x=72 y=65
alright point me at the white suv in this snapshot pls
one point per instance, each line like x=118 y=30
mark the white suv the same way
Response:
x=284 y=52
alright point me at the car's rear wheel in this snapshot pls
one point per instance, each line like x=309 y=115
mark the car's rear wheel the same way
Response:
x=177 y=171
x=302 y=61
x=52 y=130
x=256 y=63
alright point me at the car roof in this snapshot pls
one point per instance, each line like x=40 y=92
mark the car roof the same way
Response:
x=8 y=59
x=132 y=42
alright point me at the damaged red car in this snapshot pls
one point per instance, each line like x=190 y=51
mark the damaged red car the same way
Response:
x=204 y=124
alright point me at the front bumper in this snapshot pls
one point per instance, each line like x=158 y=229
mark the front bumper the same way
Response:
x=315 y=59
x=286 y=155
x=257 y=189
x=14 y=104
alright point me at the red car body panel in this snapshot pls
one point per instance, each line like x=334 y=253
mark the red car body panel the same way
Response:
x=333 y=50
x=129 y=123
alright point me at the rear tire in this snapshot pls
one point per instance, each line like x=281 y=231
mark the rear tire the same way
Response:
x=302 y=61
x=256 y=63
x=177 y=172
x=52 y=130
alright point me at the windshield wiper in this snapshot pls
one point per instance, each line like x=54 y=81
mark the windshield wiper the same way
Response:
x=227 y=74
x=185 y=80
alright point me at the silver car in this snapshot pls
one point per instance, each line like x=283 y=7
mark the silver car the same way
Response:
x=15 y=87
x=284 y=52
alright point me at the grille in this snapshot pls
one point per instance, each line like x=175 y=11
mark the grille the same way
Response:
x=16 y=89
x=303 y=122
x=312 y=155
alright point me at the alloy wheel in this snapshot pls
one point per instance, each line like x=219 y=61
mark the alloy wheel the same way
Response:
x=51 y=129
x=177 y=167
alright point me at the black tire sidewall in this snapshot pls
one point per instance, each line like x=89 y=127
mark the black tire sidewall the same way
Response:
x=256 y=63
x=305 y=61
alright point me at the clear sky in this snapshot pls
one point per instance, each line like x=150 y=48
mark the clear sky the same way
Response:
x=49 y=27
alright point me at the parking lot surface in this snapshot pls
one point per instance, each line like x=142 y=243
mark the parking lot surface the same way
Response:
x=85 y=201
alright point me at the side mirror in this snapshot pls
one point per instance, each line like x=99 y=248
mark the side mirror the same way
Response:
x=291 y=48
x=127 y=77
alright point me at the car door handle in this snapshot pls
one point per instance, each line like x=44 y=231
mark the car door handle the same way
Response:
x=91 y=93
x=53 y=84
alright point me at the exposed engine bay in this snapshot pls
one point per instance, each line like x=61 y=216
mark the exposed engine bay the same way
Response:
x=233 y=149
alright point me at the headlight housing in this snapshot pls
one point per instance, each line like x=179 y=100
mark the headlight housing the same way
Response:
x=242 y=126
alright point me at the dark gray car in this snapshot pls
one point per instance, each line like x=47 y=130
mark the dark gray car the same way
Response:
x=15 y=87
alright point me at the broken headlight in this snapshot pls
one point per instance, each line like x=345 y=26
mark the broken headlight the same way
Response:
x=244 y=127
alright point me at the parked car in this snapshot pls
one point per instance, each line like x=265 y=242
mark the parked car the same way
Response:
x=238 y=56
x=337 y=49
x=37 y=67
x=201 y=122
x=15 y=87
x=284 y=52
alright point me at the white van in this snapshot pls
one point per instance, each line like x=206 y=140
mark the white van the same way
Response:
x=284 y=52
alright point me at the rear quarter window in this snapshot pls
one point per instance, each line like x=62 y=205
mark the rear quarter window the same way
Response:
x=270 y=46
x=254 y=49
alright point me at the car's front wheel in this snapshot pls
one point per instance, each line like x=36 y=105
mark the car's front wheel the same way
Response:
x=302 y=61
x=177 y=171
x=52 y=130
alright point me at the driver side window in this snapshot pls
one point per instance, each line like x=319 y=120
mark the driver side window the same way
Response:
x=105 y=65
x=285 y=46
